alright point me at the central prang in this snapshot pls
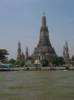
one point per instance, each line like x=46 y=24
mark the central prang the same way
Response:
x=44 y=49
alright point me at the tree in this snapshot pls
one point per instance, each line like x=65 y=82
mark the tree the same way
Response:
x=58 y=61
x=21 y=63
x=3 y=53
x=12 y=61
x=73 y=58
x=61 y=60
x=44 y=62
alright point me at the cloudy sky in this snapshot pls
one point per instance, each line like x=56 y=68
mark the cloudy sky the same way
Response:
x=20 y=20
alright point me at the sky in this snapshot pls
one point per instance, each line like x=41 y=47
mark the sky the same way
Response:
x=20 y=20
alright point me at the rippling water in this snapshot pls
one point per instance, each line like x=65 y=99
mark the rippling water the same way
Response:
x=22 y=85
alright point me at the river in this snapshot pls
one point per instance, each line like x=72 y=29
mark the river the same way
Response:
x=37 y=85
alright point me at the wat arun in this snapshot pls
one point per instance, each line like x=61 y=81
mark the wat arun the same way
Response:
x=44 y=49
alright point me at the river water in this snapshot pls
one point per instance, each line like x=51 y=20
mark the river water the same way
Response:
x=42 y=85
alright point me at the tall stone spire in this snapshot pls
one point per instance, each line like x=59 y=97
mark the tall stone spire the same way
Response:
x=19 y=51
x=27 y=53
x=44 y=33
x=66 y=52
x=44 y=48
x=20 y=54
x=44 y=20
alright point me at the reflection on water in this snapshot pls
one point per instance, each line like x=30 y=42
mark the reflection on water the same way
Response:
x=54 y=85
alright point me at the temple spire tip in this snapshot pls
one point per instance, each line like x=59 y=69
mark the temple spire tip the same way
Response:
x=43 y=19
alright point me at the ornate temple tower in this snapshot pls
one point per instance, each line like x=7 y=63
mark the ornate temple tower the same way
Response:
x=44 y=48
x=19 y=51
x=20 y=54
x=27 y=53
x=66 y=53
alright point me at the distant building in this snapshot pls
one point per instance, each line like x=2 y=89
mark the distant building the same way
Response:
x=66 y=53
x=19 y=51
x=44 y=49
x=20 y=54
x=27 y=53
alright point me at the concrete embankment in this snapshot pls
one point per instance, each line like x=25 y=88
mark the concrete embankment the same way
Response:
x=36 y=68
x=47 y=68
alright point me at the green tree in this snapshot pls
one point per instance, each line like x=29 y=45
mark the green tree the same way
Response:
x=73 y=58
x=21 y=63
x=3 y=55
x=58 y=61
x=44 y=62
x=12 y=61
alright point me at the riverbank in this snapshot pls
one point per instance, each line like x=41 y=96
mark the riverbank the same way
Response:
x=47 y=68
x=36 y=68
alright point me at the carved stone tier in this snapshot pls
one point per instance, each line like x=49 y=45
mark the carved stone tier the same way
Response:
x=44 y=49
